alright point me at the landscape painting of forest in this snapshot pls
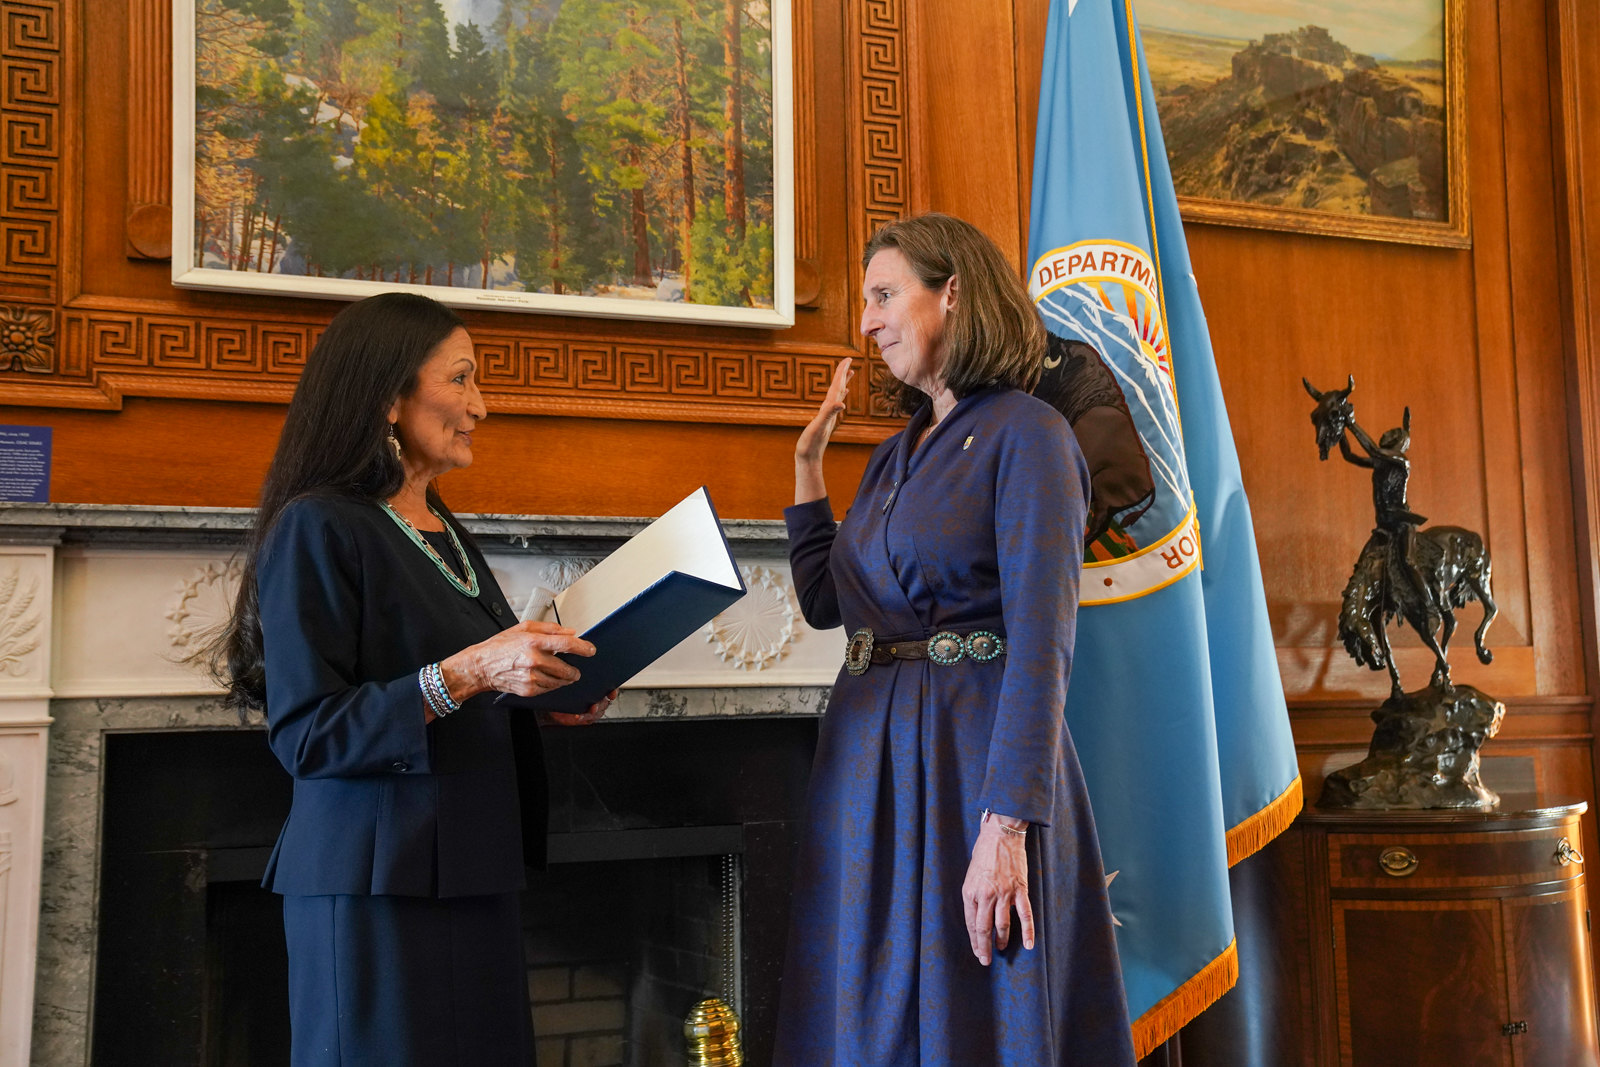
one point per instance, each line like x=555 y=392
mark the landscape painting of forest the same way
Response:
x=591 y=157
x=1332 y=106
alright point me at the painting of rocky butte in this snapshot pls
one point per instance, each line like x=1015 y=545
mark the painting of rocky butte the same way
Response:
x=1299 y=120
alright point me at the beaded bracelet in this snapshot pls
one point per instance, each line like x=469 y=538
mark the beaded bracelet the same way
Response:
x=435 y=692
x=428 y=696
x=987 y=812
x=437 y=674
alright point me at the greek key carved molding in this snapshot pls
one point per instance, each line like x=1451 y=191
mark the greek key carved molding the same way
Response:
x=91 y=352
x=27 y=338
x=31 y=36
x=121 y=353
x=883 y=113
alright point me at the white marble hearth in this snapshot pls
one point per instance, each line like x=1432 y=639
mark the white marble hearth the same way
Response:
x=99 y=606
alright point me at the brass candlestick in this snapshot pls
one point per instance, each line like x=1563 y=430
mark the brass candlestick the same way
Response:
x=712 y=1030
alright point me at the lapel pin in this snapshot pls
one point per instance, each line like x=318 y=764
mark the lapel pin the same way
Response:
x=967 y=443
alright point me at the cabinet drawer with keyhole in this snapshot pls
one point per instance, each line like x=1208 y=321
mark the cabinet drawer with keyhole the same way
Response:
x=1422 y=860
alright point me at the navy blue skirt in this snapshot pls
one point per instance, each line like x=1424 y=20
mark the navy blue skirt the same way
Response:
x=407 y=981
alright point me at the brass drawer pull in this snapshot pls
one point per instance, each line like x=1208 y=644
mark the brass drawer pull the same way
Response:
x=1566 y=854
x=1398 y=861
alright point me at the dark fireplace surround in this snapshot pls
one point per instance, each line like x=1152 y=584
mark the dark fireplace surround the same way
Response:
x=189 y=964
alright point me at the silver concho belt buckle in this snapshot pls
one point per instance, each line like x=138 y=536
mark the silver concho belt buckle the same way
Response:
x=858 y=653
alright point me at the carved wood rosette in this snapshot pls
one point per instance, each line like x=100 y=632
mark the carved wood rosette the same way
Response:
x=61 y=347
x=27 y=338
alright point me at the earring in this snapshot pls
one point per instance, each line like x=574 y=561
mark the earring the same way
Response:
x=394 y=441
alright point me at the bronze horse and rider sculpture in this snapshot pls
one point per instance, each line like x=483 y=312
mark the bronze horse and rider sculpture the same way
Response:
x=1425 y=750
x=1422 y=576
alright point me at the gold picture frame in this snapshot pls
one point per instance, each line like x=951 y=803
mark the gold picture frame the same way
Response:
x=1422 y=192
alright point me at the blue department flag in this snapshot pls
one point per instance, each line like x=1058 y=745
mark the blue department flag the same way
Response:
x=1175 y=703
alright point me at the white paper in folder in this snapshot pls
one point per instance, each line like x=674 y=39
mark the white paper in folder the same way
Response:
x=661 y=585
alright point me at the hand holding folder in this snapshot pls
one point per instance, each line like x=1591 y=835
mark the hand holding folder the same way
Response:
x=663 y=584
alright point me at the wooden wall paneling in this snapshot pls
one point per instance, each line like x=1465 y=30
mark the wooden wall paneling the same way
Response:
x=116 y=328
x=1573 y=26
x=832 y=318
x=35 y=42
x=578 y=466
x=1492 y=301
x=1029 y=19
x=1575 y=90
x=127 y=147
x=110 y=61
x=1463 y=337
x=1547 y=506
x=969 y=103
x=208 y=453
x=149 y=117
x=1281 y=305
x=808 y=278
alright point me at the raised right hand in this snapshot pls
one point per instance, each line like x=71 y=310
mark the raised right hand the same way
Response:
x=814 y=438
x=813 y=442
x=521 y=660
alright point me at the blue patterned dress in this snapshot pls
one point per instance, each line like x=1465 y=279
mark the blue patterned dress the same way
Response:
x=979 y=528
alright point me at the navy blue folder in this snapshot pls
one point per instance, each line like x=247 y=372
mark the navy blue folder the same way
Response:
x=647 y=626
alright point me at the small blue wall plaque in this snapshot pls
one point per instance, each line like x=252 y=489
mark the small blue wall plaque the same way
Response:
x=25 y=463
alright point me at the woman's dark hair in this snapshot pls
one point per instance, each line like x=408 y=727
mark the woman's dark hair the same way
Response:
x=993 y=334
x=335 y=439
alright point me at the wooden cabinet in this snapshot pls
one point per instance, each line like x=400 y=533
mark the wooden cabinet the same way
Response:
x=1450 y=938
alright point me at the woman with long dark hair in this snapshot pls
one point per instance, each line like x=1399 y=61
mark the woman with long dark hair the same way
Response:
x=370 y=630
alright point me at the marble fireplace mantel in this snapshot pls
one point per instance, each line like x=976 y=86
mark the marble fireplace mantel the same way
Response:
x=101 y=605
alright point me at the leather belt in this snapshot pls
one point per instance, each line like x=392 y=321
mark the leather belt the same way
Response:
x=945 y=648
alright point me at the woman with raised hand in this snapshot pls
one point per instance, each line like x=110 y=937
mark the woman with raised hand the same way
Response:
x=950 y=904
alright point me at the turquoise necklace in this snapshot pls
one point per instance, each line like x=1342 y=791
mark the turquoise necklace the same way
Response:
x=466 y=588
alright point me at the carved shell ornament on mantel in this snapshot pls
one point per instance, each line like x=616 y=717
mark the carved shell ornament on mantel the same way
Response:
x=758 y=628
x=19 y=620
x=204 y=602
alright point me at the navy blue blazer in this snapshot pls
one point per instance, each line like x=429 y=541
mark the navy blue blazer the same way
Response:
x=351 y=608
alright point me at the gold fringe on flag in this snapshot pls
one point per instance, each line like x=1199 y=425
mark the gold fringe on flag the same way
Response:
x=1173 y=1011
x=1259 y=829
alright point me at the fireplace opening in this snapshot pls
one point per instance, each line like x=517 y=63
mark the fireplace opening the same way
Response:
x=245 y=1011
x=670 y=859
x=619 y=952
